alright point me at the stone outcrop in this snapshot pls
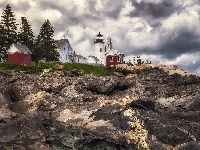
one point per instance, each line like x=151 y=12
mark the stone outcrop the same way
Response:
x=149 y=107
x=105 y=85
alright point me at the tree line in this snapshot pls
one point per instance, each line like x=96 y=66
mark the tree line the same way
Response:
x=42 y=47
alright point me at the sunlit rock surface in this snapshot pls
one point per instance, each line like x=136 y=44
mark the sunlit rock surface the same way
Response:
x=143 y=107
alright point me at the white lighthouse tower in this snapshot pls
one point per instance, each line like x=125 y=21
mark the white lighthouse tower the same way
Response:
x=99 y=50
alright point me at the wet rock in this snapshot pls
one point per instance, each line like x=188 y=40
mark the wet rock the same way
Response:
x=145 y=104
x=13 y=94
x=190 y=146
x=105 y=85
x=19 y=107
x=19 y=128
x=67 y=137
x=4 y=100
x=195 y=105
x=113 y=114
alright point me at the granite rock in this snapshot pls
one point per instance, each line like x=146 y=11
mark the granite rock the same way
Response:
x=150 y=107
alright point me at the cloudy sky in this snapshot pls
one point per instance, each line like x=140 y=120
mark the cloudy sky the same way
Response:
x=163 y=31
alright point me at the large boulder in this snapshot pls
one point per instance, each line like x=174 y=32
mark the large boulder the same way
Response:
x=105 y=85
x=19 y=129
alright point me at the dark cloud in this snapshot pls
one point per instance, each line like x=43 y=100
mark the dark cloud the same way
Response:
x=20 y=6
x=155 y=23
x=91 y=5
x=139 y=29
x=3 y=4
x=113 y=9
x=46 y=4
x=185 y=42
x=153 y=10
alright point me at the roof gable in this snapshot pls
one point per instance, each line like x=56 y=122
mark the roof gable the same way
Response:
x=62 y=42
x=19 y=48
x=93 y=57
x=113 y=52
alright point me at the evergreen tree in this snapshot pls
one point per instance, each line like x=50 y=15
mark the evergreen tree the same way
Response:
x=45 y=44
x=9 y=25
x=3 y=50
x=25 y=35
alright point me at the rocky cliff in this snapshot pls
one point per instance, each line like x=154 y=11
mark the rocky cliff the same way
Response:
x=147 y=107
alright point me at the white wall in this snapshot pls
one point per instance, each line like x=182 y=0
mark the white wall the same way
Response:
x=64 y=52
x=98 y=54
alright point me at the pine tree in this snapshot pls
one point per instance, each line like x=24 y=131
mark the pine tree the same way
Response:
x=3 y=51
x=25 y=35
x=9 y=30
x=46 y=45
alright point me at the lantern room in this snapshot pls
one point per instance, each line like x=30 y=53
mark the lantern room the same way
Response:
x=99 y=38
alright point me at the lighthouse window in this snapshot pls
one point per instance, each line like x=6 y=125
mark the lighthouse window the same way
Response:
x=100 y=49
x=111 y=59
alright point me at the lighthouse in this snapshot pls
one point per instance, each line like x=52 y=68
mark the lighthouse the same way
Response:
x=99 y=50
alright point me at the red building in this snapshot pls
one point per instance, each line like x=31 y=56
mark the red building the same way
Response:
x=114 y=57
x=19 y=54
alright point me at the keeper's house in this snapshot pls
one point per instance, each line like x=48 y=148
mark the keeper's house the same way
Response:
x=19 y=54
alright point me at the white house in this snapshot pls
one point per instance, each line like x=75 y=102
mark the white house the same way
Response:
x=67 y=54
x=93 y=60
x=65 y=50
x=80 y=59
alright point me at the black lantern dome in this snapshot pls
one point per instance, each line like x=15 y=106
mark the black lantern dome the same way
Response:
x=99 y=38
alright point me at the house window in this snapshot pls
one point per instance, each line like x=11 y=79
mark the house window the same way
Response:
x=111 y=59
x=118 y=59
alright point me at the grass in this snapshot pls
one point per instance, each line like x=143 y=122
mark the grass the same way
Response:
x=39 y=67
x=89 y=69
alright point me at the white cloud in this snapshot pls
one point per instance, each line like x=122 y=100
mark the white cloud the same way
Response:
x=32 y=3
